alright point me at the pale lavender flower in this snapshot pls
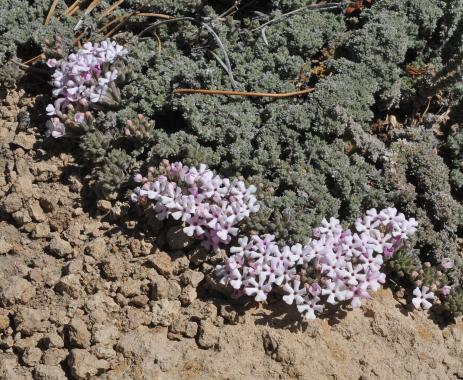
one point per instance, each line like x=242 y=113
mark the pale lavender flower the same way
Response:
x=446 y=290
x=314 y=289
x=80 y=80
x=259 y=288
x=79 y=117
x=447 y=263
x=336 y=291
x=422 y=298
x=347 y=265
x=309 y=307
x=55 y=128
x=295 y=292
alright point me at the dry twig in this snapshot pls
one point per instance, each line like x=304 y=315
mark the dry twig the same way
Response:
x=24 y=67
x=51 y=12
x=92 y=6
x=72 y=8
x=108 y=10
x=242 y=93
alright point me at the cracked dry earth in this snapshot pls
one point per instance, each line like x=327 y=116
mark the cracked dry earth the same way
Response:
x=85 y=293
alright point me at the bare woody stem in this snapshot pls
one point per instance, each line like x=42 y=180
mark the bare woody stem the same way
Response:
x=242 y=93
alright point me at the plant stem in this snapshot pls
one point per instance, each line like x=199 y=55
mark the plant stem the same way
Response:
x=242 y=93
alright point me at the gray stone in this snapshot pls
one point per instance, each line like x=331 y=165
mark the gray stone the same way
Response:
x=29 y=321
x=49 y=372
x=52 y=340
x=60 y=247
x=54 y=356
x=191 y=277
x=112 y=268
x=12 y=203
x=24 y=140
x=31 y=356
x=69 y=284
x=15 y=290
x=162 y=262
x=84 y=365
x=188 y=295
x=105 y=335
x=36 y=212
x=77 y=334
x=42 y=230
x=161 y=288
x=164 y=312
x=5 y=247
x=130 y=288
x=208 y=335
x=97 y=248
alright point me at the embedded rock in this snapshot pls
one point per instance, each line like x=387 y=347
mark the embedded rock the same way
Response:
x=59 y=247
x=77 y=334
x=84 y=365
x=49 y=372
x=15 y=290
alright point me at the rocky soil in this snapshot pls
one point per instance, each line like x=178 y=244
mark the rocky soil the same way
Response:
x=86 y=293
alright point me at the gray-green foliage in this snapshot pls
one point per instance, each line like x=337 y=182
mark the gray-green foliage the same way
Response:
x=454 y=147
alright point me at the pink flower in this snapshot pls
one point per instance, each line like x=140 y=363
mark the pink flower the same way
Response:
x=79 y=117
x=295 y=292
x=52 y=62
x=336 y=291
x=359 y=293
x=446 y=290
x=258 y=289
x=447 y=263
x=138 y=178
x=422 y=297
x=309 y=307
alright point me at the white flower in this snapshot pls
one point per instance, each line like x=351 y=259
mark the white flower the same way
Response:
x=421 y=298
x=259 y=289
x=294 y=293
x=309 y=307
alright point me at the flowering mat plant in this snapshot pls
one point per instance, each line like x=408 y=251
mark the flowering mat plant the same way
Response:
x=337 y=265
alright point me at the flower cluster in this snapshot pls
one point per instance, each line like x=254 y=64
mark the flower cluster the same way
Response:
x=338 y=265
x=430 y=281
x=210 y=206
x=79 y=82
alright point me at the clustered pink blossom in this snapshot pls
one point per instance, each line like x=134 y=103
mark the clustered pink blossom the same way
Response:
x=210 y=206
x=80 y=81
x=338 y=265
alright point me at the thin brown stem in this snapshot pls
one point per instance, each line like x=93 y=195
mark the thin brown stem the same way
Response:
x=28 y=68
x=71 y=7
x=157 y=15
x=242 y=93
x=74 y=10
x=118 y=26
x=135 y=14
x=34 y=59
x=92 y=6
x=109 y=10
x=51 y=12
